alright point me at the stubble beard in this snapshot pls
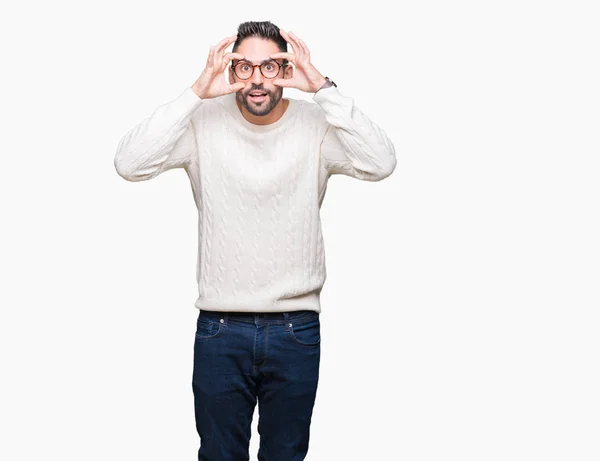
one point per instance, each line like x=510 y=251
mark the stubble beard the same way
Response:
x=263 y=108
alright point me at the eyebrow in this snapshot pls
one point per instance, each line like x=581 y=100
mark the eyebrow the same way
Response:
x=266 y=60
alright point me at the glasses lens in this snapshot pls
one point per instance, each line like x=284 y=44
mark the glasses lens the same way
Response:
x=269 y=69
x=244 y=70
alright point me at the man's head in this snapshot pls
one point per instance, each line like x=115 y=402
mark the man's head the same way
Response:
x=256 y=41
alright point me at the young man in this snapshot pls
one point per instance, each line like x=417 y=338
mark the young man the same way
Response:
x=258 y=165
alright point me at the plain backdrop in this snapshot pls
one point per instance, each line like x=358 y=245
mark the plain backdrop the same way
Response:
x=461 y=309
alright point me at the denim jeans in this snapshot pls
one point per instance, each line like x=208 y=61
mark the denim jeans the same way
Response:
x=242 y=357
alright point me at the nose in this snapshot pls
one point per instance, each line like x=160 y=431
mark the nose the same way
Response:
x=257 y=76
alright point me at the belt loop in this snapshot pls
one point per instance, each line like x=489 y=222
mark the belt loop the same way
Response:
x=286 y=320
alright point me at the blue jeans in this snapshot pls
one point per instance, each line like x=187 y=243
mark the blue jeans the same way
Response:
x=242 y=357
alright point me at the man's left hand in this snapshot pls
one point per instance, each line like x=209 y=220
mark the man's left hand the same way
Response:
x=305 y=77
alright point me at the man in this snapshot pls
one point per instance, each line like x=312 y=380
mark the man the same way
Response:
x=258 y=165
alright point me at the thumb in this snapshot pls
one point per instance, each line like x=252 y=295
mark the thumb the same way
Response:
x=285 y=82
x=236 y=86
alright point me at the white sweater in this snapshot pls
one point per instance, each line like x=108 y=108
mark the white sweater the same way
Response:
x=258 y=189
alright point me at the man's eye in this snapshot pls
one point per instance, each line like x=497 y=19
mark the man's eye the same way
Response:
x=244 y=67
x=269 y=67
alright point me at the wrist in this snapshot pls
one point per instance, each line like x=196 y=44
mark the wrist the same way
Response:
x=199 y=91
x=327 y=82
x=319 y=84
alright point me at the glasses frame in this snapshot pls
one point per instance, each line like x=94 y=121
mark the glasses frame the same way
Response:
x=279 y=66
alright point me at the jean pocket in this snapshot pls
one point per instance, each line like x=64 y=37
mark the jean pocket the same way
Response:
x=207 y=328
x=306 y=332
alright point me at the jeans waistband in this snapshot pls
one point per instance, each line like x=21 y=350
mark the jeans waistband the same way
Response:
x=255 y=317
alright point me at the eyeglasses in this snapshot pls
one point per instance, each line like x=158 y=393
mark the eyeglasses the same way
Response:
x=269 y=69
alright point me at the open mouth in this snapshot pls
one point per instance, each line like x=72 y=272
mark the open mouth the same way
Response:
x=257 y=96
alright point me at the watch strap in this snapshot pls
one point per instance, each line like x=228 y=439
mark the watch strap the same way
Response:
x=327 y=84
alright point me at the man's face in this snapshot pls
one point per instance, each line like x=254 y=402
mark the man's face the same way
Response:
x=256 y=50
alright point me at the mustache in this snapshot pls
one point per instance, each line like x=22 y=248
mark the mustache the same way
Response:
x=257 y=89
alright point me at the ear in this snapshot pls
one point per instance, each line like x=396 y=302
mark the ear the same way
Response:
x=289 y=71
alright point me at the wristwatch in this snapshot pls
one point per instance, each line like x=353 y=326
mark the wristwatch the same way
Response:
x=327 y=84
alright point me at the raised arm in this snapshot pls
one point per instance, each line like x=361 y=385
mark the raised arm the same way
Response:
x=166 y=139
x=163 y=141
x=353 y=145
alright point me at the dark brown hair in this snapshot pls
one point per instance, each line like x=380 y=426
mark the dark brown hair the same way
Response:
x=262 y=29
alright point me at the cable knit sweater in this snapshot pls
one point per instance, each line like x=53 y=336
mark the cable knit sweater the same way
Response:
x=258 y=189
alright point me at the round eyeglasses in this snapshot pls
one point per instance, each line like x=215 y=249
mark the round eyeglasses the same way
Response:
x=244 y=70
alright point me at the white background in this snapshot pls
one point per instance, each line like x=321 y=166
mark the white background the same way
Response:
x=461 y=310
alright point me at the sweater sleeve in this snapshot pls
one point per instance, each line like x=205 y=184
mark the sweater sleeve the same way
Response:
x=353 y=145
x=163 y=141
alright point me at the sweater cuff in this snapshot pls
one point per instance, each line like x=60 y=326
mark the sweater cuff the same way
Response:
x=328 y=95
x=189 y=99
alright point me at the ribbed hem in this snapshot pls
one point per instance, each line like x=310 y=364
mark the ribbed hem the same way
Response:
x=310 y=301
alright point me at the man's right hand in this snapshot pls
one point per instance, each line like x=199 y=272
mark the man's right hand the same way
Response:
x=211 y=82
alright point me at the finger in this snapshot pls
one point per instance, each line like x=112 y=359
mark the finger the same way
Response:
x=237 y=86
x=297 y=41
x=290 y=57
x=225 y=42
x=218 y=52
x=283 y=82
x=232 y=39
x=218 y=46
x=288 y=38
x=229 y=56
x=303 y=45
x=211 y=54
